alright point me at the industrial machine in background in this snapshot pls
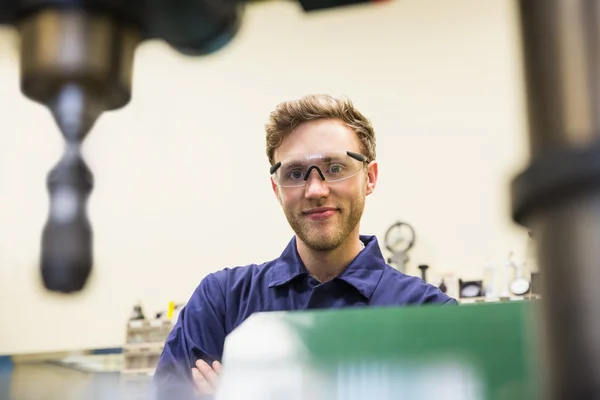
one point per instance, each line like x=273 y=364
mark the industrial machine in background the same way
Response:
x=514 y=274
x=399 y=239
x=76 y=59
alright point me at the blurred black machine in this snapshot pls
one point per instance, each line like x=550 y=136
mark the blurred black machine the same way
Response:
x=557 y=196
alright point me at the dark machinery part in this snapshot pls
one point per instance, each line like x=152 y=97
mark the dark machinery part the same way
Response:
x=423 y=269
x=443 y=286
x=78 y=66
x=558 y=195
x=195 y=27
x=76 y=58
x=67 y=253
x=311 y=5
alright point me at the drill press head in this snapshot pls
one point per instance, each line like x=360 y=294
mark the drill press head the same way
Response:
x=66 y=48
x=78 y=64
x=76 y=58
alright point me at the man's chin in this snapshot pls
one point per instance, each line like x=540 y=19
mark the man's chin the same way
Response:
x=321 y=246
x=321 y=242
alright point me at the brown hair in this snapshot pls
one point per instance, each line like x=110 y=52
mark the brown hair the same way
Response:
x=289 y=114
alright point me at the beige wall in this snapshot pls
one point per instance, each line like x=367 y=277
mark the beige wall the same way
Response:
x=181 y=175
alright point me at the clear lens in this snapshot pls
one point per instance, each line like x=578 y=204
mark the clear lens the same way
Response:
x=332 y=166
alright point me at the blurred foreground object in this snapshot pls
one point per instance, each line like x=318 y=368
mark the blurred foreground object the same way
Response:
x=558 y=195
x=467 y=352
x=76 y=59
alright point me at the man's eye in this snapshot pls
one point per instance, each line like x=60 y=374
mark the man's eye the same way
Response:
x=336 y=168
x=296 y=174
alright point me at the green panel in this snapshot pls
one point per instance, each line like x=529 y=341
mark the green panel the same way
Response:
x=474 y=351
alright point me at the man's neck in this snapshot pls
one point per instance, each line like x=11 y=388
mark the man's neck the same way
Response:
x=326 y=265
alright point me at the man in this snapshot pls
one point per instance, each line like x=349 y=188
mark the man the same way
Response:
x=322 y=156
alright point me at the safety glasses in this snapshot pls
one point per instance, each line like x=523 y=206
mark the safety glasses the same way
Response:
x=332 y=166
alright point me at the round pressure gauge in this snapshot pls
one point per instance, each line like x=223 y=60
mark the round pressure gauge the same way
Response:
x=399 y=237
x=520 y=286
x=470 y=290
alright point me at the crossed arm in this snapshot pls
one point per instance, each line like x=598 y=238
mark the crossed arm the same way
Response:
x=189 y=366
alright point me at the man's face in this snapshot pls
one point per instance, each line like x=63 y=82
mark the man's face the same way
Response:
x=324 y=214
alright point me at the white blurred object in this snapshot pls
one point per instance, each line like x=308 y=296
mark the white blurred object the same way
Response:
x=519 y=286
x=489 y=281
x=288 y=370
x=508 y=265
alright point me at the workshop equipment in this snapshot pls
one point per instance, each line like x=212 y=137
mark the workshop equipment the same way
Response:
x=508 y=265
x=144 y=343
x=557 y=196
x=424 y=268
x=470 y=289
x=76 y=59
x=520 y=285
x=489 y=280
x=469 y=352
x=399 y=239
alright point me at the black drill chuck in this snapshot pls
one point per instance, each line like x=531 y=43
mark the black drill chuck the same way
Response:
x=66 y=254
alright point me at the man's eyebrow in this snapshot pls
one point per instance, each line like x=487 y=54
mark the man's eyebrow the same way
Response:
x=334 y=159
x=294 y=163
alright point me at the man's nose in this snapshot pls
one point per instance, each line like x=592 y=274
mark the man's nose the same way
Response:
x=315 y=186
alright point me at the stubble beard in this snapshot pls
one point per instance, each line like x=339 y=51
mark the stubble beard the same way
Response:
x=327 y=235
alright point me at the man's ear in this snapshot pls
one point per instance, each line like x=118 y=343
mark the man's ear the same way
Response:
x=274 y=186
x=372 y=175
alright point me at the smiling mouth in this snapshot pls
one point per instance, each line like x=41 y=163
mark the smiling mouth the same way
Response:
x=318 y=210
x=320 y=213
